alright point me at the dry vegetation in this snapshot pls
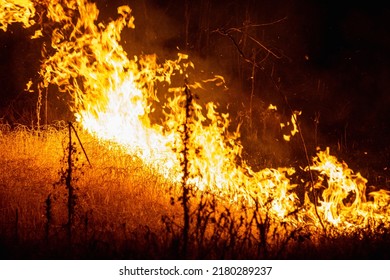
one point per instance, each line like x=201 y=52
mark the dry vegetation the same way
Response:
x=116 y=198
x=124 y=211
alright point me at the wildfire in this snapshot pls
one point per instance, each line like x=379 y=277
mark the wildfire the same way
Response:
x=113 y=98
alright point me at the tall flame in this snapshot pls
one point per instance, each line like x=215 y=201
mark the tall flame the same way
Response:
x=114 y=96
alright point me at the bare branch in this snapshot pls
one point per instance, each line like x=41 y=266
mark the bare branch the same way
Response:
x=269 y=51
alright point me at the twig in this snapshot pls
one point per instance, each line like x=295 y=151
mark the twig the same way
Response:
x=81 y=144
x=68 y=183
x=227 y=33
x=186 y=137
x=263 y=24
x=284 y=97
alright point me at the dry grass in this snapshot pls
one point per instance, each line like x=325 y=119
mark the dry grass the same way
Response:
x=123 y=210
x=117 y=196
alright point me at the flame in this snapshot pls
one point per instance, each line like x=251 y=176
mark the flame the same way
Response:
x=12 y=11
x=114 y=102
x=114 y=96
x=344 y=202
x=294 y=130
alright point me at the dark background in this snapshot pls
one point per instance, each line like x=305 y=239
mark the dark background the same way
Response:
x=330 y=59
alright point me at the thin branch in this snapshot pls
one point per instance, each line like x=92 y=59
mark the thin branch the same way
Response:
x=264 y=24
x=234 y=29
x=315 y=196
x=284 y=97
x=227 y=32
x=81 y=144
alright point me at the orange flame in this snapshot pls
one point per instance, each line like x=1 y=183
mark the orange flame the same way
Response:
x=12 y=11
x=344 y=202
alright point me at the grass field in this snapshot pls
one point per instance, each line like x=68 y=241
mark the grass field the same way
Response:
x=116 y=198
x=123 y=210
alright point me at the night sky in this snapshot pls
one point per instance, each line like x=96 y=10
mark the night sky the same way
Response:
x=334 y=57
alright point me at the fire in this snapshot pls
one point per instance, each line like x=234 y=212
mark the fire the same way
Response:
x=12 y=11
x=344 y=202
x=294 y=118
x=113 y=99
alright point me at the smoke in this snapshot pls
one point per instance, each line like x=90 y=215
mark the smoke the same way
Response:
x=220 y=42
x=329 y=60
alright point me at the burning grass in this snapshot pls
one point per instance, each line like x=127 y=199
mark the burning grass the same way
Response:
x=124 y=209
